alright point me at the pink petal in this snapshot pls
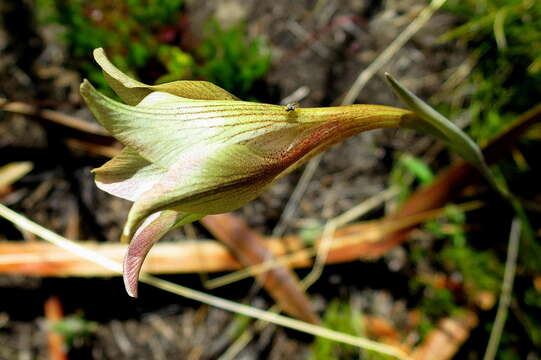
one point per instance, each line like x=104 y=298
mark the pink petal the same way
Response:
x=152 y=230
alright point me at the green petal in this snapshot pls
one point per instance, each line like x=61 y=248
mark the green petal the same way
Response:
x=206 y=181
x=218 y=178
x=132 y=91
x=179 y=124
x=127 y=175
x=152 y=230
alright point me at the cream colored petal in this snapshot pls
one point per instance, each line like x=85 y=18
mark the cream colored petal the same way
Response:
x=127 y=175
x=206 y=181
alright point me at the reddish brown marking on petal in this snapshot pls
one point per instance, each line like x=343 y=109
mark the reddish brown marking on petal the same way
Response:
x=147 y=235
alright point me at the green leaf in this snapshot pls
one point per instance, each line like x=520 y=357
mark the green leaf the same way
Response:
x=430 y=121
x=418 y=168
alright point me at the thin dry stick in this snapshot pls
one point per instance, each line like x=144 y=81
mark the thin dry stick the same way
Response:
x=295 y=198
x=220 y=303
x=241 y=342
x=366 y=206
x=306 y=253
x=12 y=172
x=52 y=116
x=350 y=97
x=350 y=215
x=507 y=287
x=321 y=256
x=333 y=224
x=391 y=50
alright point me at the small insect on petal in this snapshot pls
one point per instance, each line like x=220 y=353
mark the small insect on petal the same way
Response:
x=292 y=106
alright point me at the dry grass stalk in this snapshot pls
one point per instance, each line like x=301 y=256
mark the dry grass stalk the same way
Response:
x=52 y=116
x=250 y=249
x=43 y=259
x=12 y=172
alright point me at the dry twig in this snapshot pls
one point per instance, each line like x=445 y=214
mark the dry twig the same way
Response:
x=52 y=116
x=12 y=172
x=391 y=50
x=249 y=247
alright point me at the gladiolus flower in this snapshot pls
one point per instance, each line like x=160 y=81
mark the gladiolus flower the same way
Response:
x=193 y=149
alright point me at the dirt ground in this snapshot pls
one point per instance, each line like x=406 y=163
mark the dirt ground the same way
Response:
x=318 y=47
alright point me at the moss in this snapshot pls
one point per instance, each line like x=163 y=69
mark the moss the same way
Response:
x=505 y=39
x=142 y=37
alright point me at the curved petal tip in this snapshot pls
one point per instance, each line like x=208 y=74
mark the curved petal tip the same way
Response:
x=153 y=229
x=132 y=267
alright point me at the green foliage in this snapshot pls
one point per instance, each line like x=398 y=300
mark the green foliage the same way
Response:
x=142 y=36
x=126 y=27
x=451 y=224
x=177 y=62
x=424 y=327
x=341 y=317
x=435 y=303
x=230 y=60
x=438 y=302
x=418 y=168
x=480 y=269
x=406 y=170
x=310 y=233
x=154 y=12
x=74 y=327
x=128 y=30
x=505 y=38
